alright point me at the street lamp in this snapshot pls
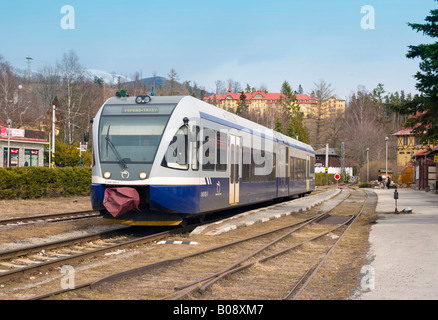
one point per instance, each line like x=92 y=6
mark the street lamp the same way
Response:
x=368 y=165
x=9 y=141
x=386 y=158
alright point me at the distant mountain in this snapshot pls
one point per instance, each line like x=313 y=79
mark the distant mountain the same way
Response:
x=113 y=78
x=150 y=81
x=107 y=77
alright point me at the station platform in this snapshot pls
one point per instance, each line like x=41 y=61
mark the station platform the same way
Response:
x=273 y=212
x=404 y=248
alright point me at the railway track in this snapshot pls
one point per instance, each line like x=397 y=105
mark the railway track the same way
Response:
x=55 y=217
x=27 y=260
x=176 y=279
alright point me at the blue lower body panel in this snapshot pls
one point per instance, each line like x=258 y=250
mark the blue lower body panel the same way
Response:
x=97 y=192
x=181 y=199
x=171 y=204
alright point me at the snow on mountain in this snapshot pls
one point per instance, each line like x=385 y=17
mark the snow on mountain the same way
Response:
x=107 y=77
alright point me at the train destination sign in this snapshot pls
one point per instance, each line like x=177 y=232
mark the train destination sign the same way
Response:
x=140 y=110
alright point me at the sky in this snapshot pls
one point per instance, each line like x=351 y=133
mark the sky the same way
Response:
x=252 y=42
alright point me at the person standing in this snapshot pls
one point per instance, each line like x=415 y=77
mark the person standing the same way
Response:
x=380 y=180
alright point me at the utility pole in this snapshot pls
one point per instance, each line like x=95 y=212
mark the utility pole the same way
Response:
x=386 y=158
x=368 y=165
x=326 y=161
x=53 y=134
x=29 y=71
x=9 y=142
x=343 y=161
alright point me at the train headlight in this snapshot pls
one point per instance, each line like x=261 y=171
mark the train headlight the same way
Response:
x=142 y=175
x=107 y=174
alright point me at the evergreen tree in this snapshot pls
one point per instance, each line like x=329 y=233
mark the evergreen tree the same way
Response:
x=295 y=125
x=242 y=107
x=423 y=108
x=278 y=125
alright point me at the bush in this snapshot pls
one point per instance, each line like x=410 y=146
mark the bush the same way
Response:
x=321 y=179
x=37 y=182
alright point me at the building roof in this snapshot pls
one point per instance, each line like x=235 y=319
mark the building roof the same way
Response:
x=421 y=153
x=331 y=152
x=21 y=135
x=384 y=170
x=261 y=94
x=433 y=151
x=28 y=140
x=403 y=132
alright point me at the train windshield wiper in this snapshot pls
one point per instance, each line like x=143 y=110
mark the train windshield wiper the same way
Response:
x=113 y=148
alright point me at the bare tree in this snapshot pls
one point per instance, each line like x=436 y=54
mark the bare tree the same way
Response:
x=15 y=99
x=323 y=91
x=174 y=88
x=71 y=73
x=235 y=85
x=362 y=129
x=220 y=87
x=47 y=86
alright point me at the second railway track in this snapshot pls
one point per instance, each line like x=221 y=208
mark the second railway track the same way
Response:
x=55 y=217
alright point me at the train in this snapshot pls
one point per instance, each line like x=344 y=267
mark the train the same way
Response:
x=161 y=160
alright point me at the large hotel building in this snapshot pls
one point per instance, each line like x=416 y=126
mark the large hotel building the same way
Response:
x=260 y=101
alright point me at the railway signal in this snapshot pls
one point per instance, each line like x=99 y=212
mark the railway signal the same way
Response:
x=337 y=177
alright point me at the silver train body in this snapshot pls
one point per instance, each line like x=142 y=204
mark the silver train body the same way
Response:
x=185 y=158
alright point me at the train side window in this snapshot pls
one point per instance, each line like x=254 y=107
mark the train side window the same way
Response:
x=222 y=144
x=208 y=149
x=312 y=165
x=272 y=175
x=195 y=148
x=176 y=154
x=292 y=168
x=246 y=164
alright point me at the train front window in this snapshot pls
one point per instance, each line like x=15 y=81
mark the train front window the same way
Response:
x=130 y=139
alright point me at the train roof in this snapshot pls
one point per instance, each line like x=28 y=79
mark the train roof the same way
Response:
x=154 y=99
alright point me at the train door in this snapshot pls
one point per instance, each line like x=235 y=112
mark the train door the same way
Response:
x=235 y=167
x=308 y=173
x=282 y=185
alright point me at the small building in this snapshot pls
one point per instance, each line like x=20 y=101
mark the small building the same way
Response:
x=334 y=162
x=382 y=173
x=406 y=177
x=426 y=169
x=26 y=147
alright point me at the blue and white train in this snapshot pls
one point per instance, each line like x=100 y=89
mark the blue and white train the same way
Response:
x=160 y=160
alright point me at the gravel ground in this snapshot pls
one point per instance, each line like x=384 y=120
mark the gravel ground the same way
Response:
x=339 y=277
x=12 y=237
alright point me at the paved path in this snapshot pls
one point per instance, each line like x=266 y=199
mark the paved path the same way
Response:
x=404 y=247
x=274 y=212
